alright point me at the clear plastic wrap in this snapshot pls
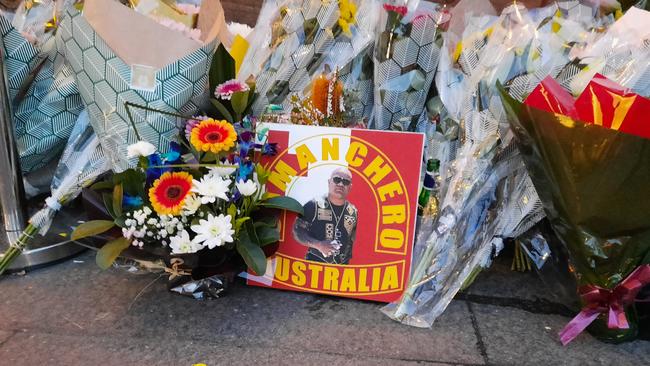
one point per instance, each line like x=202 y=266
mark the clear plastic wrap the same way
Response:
x=296 y=41
x=407 y=50
x=487 y=195
x=45 y=99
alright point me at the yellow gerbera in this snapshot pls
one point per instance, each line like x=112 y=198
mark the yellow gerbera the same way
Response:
x=168 y=193
x=213 y=136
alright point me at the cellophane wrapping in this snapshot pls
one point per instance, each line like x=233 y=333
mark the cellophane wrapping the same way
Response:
x=486 y=192
x=296 y=41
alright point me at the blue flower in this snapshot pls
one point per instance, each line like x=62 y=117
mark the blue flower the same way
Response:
x=173 y=157
x=159 y=163
x=246 y=143
x=245 y=170
x=270 y=149
x=132 y=202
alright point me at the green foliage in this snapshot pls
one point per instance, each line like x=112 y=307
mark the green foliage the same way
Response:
x=131 y=181
x=262 y=174
x=118 y=195
x=248 y=247
x=108 y=203
x=103 y=185
x=92 y=228
x=109 y=252
x=283 y=203
x=223 y=110
x=266 y=234
x=222 y=68
x=239 y=102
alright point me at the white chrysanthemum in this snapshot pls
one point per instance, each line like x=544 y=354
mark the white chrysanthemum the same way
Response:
x=214 y=232
x=191 y=205
x=222 y=171
x=211 y=187
x=141 y=148
x=182 y=244
x=247 y=188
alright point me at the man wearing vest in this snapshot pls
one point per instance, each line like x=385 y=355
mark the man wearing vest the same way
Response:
x=329 y=225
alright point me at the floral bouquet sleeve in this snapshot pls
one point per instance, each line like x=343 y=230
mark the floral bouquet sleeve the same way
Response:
x=160 y=68
x=296 y=45
x=407 y=52
x=592 y=179
x=45 y=99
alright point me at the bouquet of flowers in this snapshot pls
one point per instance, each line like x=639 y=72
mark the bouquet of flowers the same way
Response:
x=592 y=178
x=42 y=89
x=163 y=68
x=299 y=47
x=486 y=194
x=406 y=55
x=197 y=206
x=82 y=162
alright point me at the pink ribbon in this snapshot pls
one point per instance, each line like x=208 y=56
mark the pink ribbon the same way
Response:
x=603 y=301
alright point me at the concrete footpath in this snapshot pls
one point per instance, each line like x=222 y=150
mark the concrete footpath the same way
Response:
x=75 y=314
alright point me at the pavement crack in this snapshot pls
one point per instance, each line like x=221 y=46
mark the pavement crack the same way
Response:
x=479 y=338
x=538 y=306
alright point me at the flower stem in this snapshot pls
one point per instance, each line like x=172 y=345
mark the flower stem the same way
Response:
x=15 y=250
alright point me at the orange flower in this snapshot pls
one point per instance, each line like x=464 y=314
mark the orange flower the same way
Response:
x=168 y=193
x=213 y=136
x=320 y=93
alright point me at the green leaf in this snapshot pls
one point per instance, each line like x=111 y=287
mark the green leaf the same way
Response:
x=222 y=68
x=253 y=255
x=102 y=185
x=239 y=102
x=262 y=174
x=132 y=181
x=267 y=235
x=223 y=110
x=239 y=222
x=110 y=251
x=118 y=196
x=108 y=203
x=92 y=228
x=232 y=211
x=283 y=203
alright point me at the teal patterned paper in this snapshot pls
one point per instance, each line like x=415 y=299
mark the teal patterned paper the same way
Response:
x=104 y=84
x=20 y=56
x=45 y=116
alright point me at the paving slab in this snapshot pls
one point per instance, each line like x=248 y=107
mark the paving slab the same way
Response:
x=53 y=350
x=4 y=336
x=73 y=296
x=516 y=337
x=79 y=299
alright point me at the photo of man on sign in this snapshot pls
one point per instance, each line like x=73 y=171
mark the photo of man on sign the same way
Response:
x=329 y=225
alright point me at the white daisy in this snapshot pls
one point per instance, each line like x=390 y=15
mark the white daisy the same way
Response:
x=182 y=244
x=214 y=232
x=191 y=205
x=222 y=171
x=247 y=188
x=211 y=187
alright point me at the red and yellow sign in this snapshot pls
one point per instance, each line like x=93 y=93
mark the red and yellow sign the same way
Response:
x=374 y=226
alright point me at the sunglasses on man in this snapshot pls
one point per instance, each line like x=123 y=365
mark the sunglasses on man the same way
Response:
x=339 y=180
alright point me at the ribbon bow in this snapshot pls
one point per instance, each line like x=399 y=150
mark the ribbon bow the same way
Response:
x=603 y=301
x=175 y=271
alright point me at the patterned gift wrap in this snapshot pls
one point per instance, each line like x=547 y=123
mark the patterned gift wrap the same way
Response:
x=104 y=84
x=308 y=44
x=403 y=79
x=45 y=115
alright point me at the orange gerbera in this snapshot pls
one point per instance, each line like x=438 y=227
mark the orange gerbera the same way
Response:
x=213 y=136
x=168 y=193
